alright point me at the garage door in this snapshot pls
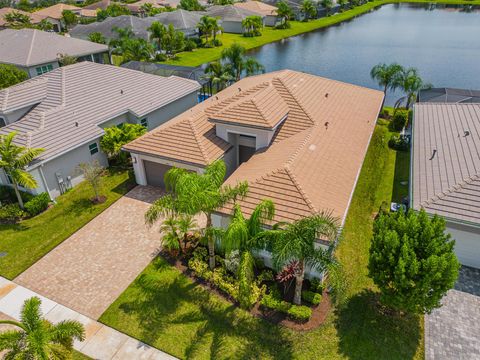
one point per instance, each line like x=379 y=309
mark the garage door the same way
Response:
x=155 y=173
x=467 y=245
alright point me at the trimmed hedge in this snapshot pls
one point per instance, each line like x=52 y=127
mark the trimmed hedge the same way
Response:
x=38 y=204
x=399 y=119
x=311 y=297
x=273 y=301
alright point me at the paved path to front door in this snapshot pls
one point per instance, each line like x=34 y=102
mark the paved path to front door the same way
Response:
x=101 y=342
x=89 y=270
x=453 y=330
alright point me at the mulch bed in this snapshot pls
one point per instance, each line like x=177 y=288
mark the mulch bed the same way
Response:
x=319 y=312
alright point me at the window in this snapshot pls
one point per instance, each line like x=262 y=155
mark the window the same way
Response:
x=144 y=123
x=93 y=148
x=44 y=69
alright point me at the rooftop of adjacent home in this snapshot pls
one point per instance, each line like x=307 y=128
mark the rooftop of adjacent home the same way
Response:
x=34 y=18
x=30 y=47
x=320 y=130
x=230 y=12
x=446 y=160
x=64 y=108
x=258 y=7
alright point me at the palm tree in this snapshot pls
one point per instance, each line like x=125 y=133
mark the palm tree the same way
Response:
x=217 y=75
x=253 y=67
x=205 y=26
x=215 y=28
x=386 y=75
x=297 y=242
x=157 y=32
x=411 y=83
x=190 y=193
x=137 y=50
x=234 y=55
x=14 y=159
x=284 y=12
x=38 y=338
x=328 y=5
x=308 y=9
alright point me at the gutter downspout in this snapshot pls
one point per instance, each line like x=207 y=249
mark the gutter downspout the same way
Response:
x=44 y=181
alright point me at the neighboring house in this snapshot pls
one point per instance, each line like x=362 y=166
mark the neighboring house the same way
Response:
x=137 y=25
x=449 y=95
x=445 y=170
x=53 y=14
x=37 y=51
x=231 y=17
x=101 y=5
x=34 y=19
x=298 y=139
x=266 y=10
x=136 y=7
x=66 y=110
x=182 y=20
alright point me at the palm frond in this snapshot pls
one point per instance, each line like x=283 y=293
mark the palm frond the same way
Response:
x=263 y=212
x=236 y=235
x=163 y=206
x=9 y=339
x=24 y=178
x=31 y=314
x=66 y=331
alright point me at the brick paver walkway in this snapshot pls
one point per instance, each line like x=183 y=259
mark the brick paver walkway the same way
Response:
x=89 y=270
x=453 y=331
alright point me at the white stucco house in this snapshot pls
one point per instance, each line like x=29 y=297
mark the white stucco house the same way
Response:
x=66 y=110
x=231 y=17
x=445 y=167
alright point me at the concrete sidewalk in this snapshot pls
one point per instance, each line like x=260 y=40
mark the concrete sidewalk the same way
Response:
x=101 y=342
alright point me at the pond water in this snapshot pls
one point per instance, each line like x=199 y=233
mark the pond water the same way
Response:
x=442 y=43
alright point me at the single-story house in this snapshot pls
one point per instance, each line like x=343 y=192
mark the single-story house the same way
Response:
x=231 y=17
x=101 y=5
x=137 y=25
x=262 y=9
x=37 y=51
x=136 y=7
x=53 y=14
x=449 y=95
x=445 y=171
x=298 y=139
x=34 y=19
x=182 y=20
x=66 y=110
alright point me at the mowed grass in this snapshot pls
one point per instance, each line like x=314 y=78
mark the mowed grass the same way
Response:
x=29 y=240
x=269 y=34
x=165 y=309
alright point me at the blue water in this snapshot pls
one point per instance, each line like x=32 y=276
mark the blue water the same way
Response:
x=442 y=43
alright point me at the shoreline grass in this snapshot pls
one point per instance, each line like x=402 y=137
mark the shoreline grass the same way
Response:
x=270 y=35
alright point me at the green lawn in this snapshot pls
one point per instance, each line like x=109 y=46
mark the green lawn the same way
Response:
x=79 y=356
x=165 y=309
x=31 y=239
x=204 y=55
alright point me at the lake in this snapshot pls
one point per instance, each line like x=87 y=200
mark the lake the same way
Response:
x=442 y=43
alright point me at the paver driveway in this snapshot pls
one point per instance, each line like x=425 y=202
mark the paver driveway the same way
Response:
x=89 y=270
x=453 y=331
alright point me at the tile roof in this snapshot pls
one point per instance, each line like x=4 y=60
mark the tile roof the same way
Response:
x=34 y=19
x=229 y=12
x=103 y=4
x=29 y=47
x=180 y=19
x=55 y=11
x=446 y=160
x=72 y=102
x=258 y=7
x=315 y=156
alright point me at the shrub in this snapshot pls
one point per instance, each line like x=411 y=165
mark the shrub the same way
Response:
x=265 y=276
x=200 y=253
x=190 y=45
x=198 y=266
x=160 y=57
x=217 y=42
x=11 y=213
x=316 y=285
x=399 y=143
x=399 y=119
x=245 y=281
x=300 y=313
x=7 y=194
x=311 y=297
x=274 y=302
x=38 y=204
x=232 y=261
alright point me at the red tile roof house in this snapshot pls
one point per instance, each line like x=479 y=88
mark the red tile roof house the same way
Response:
x=298 y=139
x=65 y=111
x=445 y=170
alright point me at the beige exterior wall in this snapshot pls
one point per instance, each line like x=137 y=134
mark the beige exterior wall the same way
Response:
x=467 y=243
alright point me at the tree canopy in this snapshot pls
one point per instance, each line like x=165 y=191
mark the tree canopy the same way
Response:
x=11 y=75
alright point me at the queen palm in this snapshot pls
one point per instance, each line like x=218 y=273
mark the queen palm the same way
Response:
x=253 y=67
x=386 y=75
x=284 y=12
x=236 y=62
x=190 y=193
x=157 y=32
x=217 y=75
x=37 y=338
x=297 y=242
x=411 y=83
x=205 y=26
x=308 y=9
x=14 y=159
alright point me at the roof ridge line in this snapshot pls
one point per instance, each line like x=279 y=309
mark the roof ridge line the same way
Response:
x=294 y=155
x=31 y=47
x=196 y=136
x=300 y=189
x=452 y=189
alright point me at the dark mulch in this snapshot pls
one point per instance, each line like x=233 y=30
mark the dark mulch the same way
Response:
x=100 y=200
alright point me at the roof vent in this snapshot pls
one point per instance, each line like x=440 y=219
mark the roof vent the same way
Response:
x=433 y=154
x=326 y=95
x=216 y=97
x=239 y=89
x=326 y=125
x=466 y=133
x=76 y=124
x=121 y=92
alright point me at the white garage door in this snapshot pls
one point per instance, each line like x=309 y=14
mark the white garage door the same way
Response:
x=467 y=245
x=155 y=173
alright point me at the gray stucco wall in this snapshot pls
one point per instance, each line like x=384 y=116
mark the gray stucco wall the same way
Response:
x=234 y=27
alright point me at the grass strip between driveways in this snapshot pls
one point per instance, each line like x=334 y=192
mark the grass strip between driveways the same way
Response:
x=167 y=310
x=269 y=34
x=29 y=240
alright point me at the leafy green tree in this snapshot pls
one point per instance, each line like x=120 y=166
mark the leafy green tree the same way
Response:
x=113 y=10
x=343 y=4
x=308 y=9
x=284 y=11
x=13 y=160
x=386 y=75
x=173 y=41
x=69 y=18
x=157 y=32
x=175 y=231
x=65 y=59
x=253 y=67
x=236 y=62
x=17 y=20
x=97 y=37
x=45 y=25
x=149 y=10
x=117 y=136
x=137 y=50
x=205 y=26
x=190 y=193
x=412 y=260
x=25 y=5
x=411 y=83
x=217 y=75
x=11 y=75
x=327 y=5
x=38 y=338
x=190 y=5
x=252 y=25
x=297 y=242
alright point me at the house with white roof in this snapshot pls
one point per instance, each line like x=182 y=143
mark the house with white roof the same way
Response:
x=66 y=110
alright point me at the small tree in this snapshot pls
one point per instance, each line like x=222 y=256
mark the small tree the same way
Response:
x=308 y=9
x=387 y=75
x=11 y=75
x=13 y=160
x=412 y=260
x=45 y=25
x=38 y=338
x=252 y=25
x=327 y=5
x=284 y=11
x=17 y=20
x=190 y=5
x=97 y=37
x=117 y=136
x=92 y=172
x=69 y=18
x=65 y=59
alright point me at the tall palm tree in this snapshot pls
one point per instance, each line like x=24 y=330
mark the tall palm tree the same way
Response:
x=327 y=5
x=411 y=83
x=205 y=26
x=137 y=50
x=386 y=75
x=234 y=56
x=157 y=32
x=217 y=75
x=14 y=159
x=190 y=193
x=308 y=9
x=297 y=242
x=253 y=67
x=38 y=338
x=284 y=11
